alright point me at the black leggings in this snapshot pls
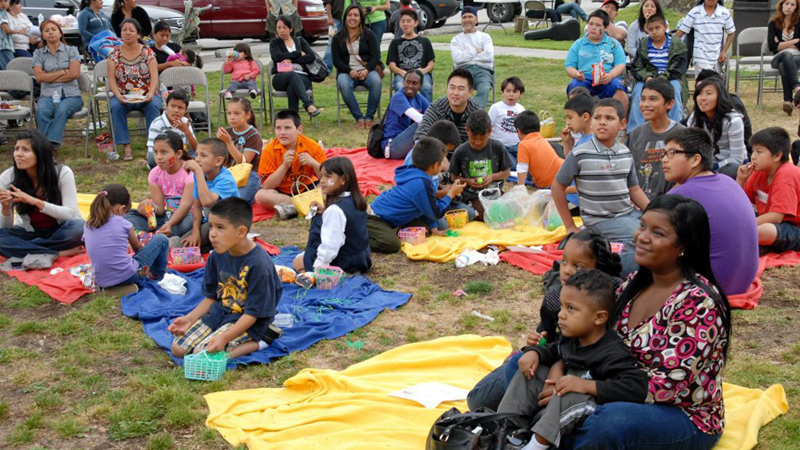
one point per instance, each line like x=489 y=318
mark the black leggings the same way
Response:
x=295 y=86
x=787 y=66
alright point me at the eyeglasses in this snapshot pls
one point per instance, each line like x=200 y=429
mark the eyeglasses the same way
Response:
x=672 y=152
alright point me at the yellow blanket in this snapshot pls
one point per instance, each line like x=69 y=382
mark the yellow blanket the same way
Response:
x=477 y=235
x=326 y=409
x=85 y=202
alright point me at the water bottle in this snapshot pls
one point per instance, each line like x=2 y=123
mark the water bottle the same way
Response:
x=113 y=155
x=56 y=97
x=163 y=89
x=41 y=19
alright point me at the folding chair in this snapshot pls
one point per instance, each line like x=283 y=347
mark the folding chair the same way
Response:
x=364 y=104
x=189 y=76
x=15 y=80
x=750 y=37
x=100 y=77
x=23 y=64
x=85 y=84
x=244 y=93
x=538 y=8
x=274 y=93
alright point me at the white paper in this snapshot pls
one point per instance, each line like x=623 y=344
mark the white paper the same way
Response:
x=535 y=249
x=430 y=395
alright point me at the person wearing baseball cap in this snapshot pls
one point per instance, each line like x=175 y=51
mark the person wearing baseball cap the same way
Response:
x=617 y=30
x=473 y=51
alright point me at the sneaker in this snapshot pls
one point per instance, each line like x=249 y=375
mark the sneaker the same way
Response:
x=228 y=95
x=253 y=93
x=285 y=211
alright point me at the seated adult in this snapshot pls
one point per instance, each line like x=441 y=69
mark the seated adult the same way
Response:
x=714 y=112
x=411 y=52
x=163 y=48
x=455 y=107
x=289 y=53
x=687 y=161
x=132 y=70
x=57 y=66
x=783 y=40
x=617 y=30
x=638 y=29
x=92 y=20
x=357 y=57
x=403 y=117
x=473 y=51
x=19 y=22
x=289 y=158
x=127 y=9
x=574 y=9
x=738 y=105
x=595 y=48
x=42 y=194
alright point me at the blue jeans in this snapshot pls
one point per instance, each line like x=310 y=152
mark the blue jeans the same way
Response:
x=637 y=426
x=574 y=10
x=346 y=87
x=22 y=53
x=52 y=119
x=483 y=80
x=248 y=192
x=620 y=229
x=512 y=151
x=400 y=145
x=510 y=368
x=378 y=28
x=489 y=391
x=16 y=242
x=471 y=214
x=427 y=86
x=601 y=90
x=140 y=223
x=328 y=58
x=5 y=57
x=635 y=117
x=250 y=85
x=119 y=116
x=155 y=256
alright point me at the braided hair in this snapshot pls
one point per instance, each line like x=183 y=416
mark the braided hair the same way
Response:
x=607 y=261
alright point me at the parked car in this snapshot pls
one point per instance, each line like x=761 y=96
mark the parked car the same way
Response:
x=239 y=19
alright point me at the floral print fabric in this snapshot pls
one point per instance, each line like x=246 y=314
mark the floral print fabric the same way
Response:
x=133 y=76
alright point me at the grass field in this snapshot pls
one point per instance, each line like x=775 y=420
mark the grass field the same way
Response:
x=85 y=377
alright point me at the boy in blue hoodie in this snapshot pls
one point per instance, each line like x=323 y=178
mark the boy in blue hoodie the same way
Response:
x=412 y=202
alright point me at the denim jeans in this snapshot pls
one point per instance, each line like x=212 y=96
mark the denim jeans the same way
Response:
x=295 y=86
x=52 y=119
x=471 y=214
x=119 y=116
x=512 y=151
x=574 y=10
x=5 y=57
x=483 y=79
x=620 y=229
x=638 y=426
x=635 y=117
x=16 y=242
x=427 y=86
x=248 y=192
x=372 y=82
x=155 y=256
x=140 y=223
x=786 y=63
x=250 y=85
x=400 y=145
x=328 y=58
x=22 y=53
x=489 y=391
x=378 y=28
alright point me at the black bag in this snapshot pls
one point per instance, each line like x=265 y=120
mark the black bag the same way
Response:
x=374 y=139
x=455 y=430
x=317 y=70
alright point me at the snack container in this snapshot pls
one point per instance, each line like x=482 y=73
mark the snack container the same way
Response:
x=328 y=277
x=186 y=255
x=456 y=218
x=205 y=366
x=412 y=235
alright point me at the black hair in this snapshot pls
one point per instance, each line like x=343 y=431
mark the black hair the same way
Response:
x=135 y=24
x=581 y=104
x=479 y=122
x=248 y=108
x=719 y=2
x=611 y=103
x=694 y=141
x=598 y=286
x=47 y=171
x=286 y=21
x=514 y=81
x=14 y=2
x=657 y=17
x=344 y=168
x=579 y=90
x=243 y=47
x=602 y=15
x=693 y=233
x=285 y=114
x=446 y=132
x=405 y=2
x=642 y=20
x=416 y=72
x=462 y=73
x=193 y=58
x=100 y=210
x=723 y=108
x=705 y=74
x=160 y=26
x=774 y=139
x=218 y=148
x=84 y=4
x=174 y=141
x=661 y=86
x=527 y=122
x=180 y=95
x=410 y=13
x=607 y=261
x=427 y=152
x=235 y=210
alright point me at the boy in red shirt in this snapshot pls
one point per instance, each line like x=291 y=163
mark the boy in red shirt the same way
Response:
x=536 y=155
x=772 y=183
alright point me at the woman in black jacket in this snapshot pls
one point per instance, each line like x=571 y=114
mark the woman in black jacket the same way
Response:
x=357 y=56
x=127 y=9
x=783 y=39
x=289 y=54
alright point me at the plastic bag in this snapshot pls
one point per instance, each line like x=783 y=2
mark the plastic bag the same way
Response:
x=541 y=210
x=501 y=211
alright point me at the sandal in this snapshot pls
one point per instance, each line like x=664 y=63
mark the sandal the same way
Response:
x=317 y=111
x=128 y=158
x=360 y=124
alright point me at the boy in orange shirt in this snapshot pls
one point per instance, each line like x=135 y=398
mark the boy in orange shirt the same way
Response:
x=284 y=160
x=536 y=156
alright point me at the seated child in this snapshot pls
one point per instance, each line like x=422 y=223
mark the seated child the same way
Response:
x=338 y=235
x=412 y=202
x=536 y=155
x=578 y=115
x=171 y=189
x=607 y=202
x=503 y=114
x=243 y=69
x=107 y=235
x=241 y=287
x=243 y=142
x=598 y=367
x=772 y=183
x=172 y=119
x=212 y=182
x=480 y=162
x=187 y=55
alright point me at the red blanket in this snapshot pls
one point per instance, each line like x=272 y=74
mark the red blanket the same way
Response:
x=538 y=264
x=66 y=288
x=371 y=172
x=262 y=213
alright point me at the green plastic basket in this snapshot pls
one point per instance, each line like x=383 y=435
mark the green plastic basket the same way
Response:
x=205 y=366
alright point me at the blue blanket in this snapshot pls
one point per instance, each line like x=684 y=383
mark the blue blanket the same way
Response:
x=318 y=314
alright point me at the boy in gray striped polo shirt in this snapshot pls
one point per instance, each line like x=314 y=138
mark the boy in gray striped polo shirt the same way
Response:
x=605 y=175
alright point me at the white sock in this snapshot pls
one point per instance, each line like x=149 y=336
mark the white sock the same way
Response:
x=535 y=445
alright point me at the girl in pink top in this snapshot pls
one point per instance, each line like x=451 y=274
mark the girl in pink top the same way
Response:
x=243 y=70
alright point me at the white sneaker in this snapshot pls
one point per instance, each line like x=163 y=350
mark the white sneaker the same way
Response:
x=285 y=211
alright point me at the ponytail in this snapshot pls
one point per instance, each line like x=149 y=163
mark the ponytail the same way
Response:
x=100 y=211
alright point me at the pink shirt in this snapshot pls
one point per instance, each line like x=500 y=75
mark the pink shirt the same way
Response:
x=239 y=68
x=171 y=185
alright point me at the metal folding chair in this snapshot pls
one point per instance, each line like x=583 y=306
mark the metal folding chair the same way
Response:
x=274 y=93
x=189 y=76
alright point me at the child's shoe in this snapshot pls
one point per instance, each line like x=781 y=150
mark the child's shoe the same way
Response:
x=228 y=95
x=285 y=211
x=253 y=93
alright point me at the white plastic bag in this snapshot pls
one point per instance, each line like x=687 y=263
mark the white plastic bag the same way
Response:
x=501 y=211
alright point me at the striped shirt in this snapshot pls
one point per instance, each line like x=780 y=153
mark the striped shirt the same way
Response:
x=659 y=57
x=161 y=125
x=603 y=177
x=710 y=33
